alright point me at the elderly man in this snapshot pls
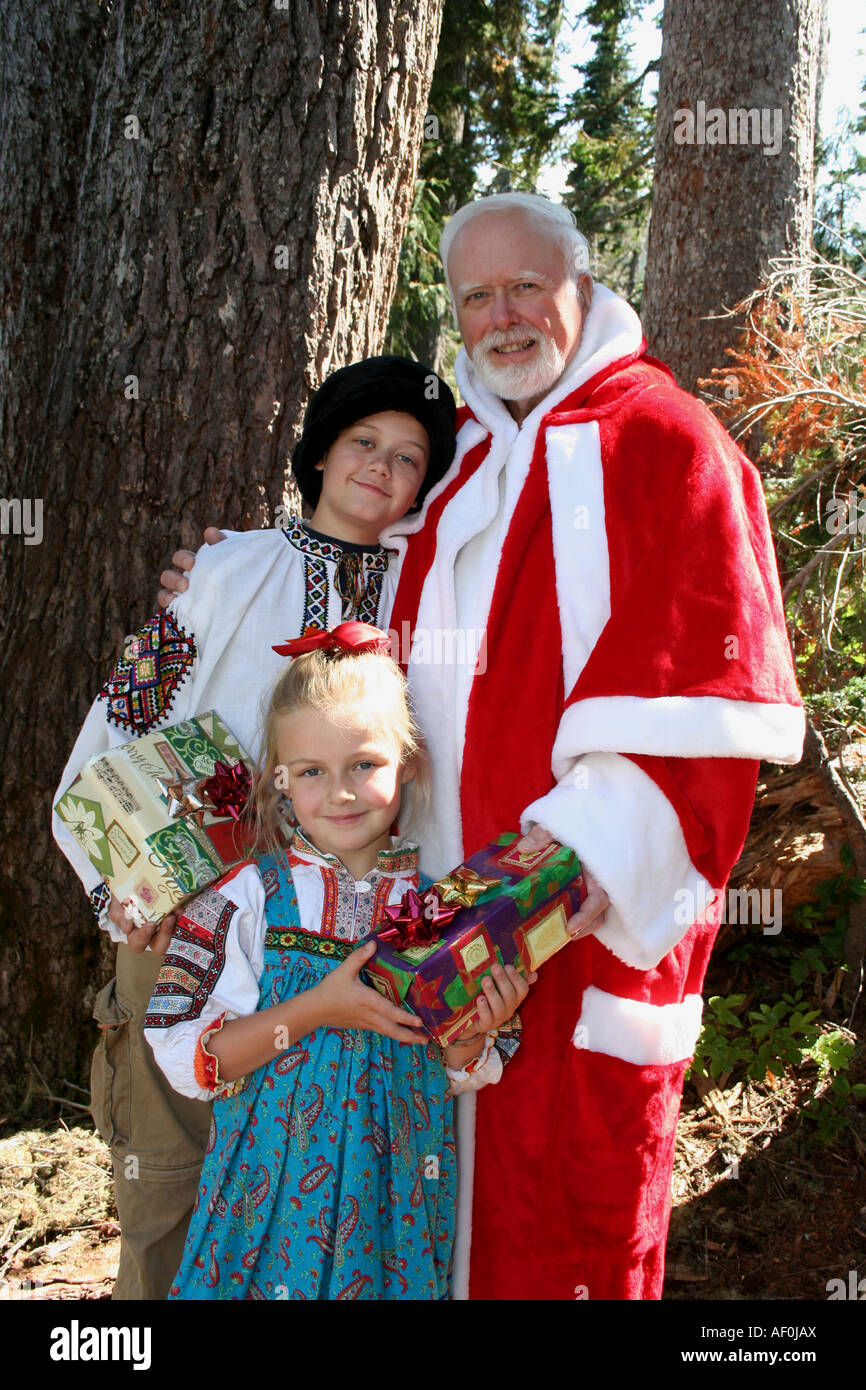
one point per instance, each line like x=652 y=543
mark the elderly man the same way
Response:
x=612 y=543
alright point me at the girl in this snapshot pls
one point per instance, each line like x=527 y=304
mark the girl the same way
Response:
x=330 y=1169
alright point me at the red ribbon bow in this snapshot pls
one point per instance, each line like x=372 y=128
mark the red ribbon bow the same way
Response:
x=228 y=790
x=346 y=637
x=416 y=921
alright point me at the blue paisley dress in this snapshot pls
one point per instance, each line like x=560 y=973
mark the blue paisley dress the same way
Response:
x=330 y=1173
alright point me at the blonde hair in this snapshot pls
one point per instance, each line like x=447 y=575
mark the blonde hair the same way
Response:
x=337 y=683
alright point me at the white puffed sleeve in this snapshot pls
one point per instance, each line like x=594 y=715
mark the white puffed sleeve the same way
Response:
x=488 y=1073
x=210 y=974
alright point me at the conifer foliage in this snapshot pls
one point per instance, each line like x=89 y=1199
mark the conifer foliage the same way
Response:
x=611 y=155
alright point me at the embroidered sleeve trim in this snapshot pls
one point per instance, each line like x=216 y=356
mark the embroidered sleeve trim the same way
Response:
x=100 y=901
x=193 y=962
x=141 y=688
x=508 y=1038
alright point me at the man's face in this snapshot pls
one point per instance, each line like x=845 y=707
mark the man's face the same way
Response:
x=519 y=316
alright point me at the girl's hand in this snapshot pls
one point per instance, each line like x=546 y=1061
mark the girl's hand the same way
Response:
x=156 y=935
x=344 y=1002
x=504 y=990
x=503 y=993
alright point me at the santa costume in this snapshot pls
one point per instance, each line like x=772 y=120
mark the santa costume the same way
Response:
x=614 y=551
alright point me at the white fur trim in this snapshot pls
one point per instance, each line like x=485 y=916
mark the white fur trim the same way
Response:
x=464 y=1123
x=456 y=597
x=628 y=835
x=645 y=1034
x=580 y=550
x=678 y=726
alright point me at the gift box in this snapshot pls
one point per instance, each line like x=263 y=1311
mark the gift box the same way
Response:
x=158 y=816
x=501 y=905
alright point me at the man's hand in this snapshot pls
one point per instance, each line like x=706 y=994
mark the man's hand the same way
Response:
x=594 y=905
x=156 y=935
x=173 y=581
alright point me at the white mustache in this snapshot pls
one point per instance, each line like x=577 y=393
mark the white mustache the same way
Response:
x=496 y=340
x=512 y=380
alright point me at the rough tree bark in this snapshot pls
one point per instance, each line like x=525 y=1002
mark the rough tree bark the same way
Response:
x=721 y=210
x=245 y=184
x=45 y=111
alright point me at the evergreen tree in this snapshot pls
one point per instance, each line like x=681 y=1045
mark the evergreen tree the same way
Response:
x=839 y=231
x=610 y=182
x=493 y=106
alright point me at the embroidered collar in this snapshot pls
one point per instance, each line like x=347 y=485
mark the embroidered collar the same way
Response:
x=395 y=862
x=311 y=542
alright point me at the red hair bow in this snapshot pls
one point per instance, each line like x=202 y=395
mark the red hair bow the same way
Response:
x=346 y=637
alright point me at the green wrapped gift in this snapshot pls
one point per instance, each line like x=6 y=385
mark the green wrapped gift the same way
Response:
x=158 y=816
x=500 y=905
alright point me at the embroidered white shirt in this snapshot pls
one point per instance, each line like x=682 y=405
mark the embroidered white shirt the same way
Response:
x=254 y=590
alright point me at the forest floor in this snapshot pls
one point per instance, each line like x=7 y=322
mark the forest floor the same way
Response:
x=763 y=1207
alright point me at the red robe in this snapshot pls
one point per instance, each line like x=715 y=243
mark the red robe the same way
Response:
x=636 y=669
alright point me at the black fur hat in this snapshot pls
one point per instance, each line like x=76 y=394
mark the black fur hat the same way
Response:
x=366 y=388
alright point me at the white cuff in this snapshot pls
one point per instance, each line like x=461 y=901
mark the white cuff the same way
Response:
x=678 y=726
x=628 y=835
x=487 y=1074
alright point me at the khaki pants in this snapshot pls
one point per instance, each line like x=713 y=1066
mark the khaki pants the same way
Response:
x=156 y=1136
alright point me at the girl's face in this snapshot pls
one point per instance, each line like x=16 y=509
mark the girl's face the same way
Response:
x=371 y=476
x=344 y=781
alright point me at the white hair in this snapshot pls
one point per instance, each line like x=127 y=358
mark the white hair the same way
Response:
x=556 y=221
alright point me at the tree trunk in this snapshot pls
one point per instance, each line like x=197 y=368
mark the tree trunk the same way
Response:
x=45 y=111
x=246 y=174
x=721 y=210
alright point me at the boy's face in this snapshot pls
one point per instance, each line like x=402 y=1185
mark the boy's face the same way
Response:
x=371 y=476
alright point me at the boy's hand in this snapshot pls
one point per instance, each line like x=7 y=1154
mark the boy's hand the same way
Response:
x=591 y=912
x=345 y=1002
x=156 y=935
x=173 y=581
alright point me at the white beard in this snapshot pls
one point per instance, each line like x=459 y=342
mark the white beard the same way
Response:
x=524 y=379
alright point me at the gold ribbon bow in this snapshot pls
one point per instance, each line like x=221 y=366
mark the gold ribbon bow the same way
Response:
x=464 y=886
